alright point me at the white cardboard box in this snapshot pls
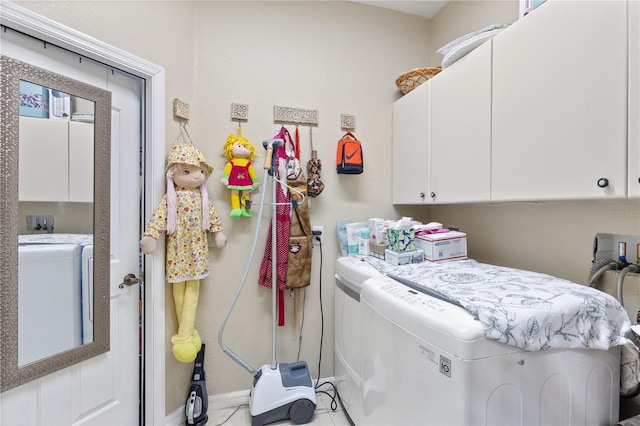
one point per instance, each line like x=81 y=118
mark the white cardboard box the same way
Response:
x=442 y=247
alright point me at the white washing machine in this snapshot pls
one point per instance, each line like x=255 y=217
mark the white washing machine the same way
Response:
x=426 y=361
x=49 y=312
x=351 y=272
x=82 y=266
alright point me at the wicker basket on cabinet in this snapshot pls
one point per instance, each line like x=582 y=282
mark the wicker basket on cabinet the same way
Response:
x=415 y=77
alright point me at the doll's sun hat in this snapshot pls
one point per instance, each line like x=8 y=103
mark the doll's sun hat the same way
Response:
x=187 y=153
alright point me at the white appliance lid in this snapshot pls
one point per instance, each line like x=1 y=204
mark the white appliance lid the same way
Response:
x=354 y=271
x=445 y=325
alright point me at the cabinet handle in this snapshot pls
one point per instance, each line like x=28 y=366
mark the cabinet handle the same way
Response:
x=433 y=195
x=603 y=182
x=422 y=194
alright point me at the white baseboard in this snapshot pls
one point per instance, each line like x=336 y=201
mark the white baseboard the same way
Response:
x=219 y=401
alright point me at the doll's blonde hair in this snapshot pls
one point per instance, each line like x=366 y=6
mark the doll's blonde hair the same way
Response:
x=172 y=204
x=228 y=146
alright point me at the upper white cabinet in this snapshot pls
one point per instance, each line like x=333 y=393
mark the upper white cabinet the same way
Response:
x=410 y=152
x=81 y=146
x=549 y=109
x=442 y=135
x=55 y=160
x=43 y=160
x=560 y=103
x=459 y=162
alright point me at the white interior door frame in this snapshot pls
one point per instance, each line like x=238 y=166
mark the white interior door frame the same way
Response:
x=30 y=23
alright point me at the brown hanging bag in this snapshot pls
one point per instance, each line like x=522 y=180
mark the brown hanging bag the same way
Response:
x=300 y=235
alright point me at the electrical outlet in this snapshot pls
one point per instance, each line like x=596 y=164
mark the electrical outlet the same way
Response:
x=40 y=223
x=317 y=232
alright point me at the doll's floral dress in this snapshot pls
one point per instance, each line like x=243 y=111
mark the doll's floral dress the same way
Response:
x=187 y=248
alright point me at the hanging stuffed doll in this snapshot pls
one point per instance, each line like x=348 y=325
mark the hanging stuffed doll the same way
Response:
x=238 y=174
x=186 y=215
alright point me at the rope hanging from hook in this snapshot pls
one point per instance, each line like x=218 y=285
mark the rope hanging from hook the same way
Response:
x=183 y=127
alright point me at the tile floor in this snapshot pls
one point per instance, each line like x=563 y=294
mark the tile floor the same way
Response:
x=323 y=415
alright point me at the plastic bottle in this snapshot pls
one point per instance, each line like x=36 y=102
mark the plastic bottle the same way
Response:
x=363 y=243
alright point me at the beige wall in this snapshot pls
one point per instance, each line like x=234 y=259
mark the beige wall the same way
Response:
x=459 y=17
x=69 y=218
x=337 y=57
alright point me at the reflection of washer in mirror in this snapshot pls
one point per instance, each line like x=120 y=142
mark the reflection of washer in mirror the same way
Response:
x=55 y=294
x=49 y=313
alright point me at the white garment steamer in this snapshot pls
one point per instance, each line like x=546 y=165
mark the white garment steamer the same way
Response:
x=280 y=391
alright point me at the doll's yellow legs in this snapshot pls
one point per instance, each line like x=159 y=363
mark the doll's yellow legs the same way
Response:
x=236 y=209
x=187 y=343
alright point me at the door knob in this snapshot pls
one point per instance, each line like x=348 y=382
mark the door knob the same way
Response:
x=129 y=279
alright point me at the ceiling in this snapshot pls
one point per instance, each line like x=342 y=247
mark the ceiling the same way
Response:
x=424 y=8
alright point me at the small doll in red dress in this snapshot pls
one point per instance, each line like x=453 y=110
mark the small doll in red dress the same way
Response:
x=239 y=174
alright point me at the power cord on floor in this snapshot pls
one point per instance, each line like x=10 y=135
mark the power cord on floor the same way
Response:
x=335 y=397
x=304 y=299
x=334 y=404
x=321 y=314
x=231 y=415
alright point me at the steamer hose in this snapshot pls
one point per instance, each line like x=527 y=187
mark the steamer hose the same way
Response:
x=243 y=280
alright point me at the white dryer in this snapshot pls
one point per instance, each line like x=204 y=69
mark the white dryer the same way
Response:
x=426 y=361
x=351 y=272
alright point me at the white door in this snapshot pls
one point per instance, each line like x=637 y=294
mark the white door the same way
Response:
x=104 y=389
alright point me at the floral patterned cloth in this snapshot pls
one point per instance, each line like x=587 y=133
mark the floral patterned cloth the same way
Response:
x=525 y=309
x=187 y=248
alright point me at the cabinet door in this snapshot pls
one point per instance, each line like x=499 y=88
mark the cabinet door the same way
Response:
x=410 y=178
x=81 y=162
x=560 y=103
x=461 y=130
x=43 y=160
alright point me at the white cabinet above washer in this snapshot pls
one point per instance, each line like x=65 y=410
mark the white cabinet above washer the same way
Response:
x=459 y=161
x=55 y=160
x=410 y=150
x=546 y=110
x=559 y=126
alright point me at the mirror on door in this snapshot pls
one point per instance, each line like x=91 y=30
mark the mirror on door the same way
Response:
x=55 y=172
x=55 y=209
